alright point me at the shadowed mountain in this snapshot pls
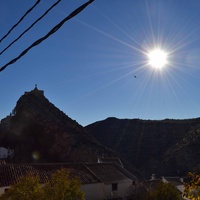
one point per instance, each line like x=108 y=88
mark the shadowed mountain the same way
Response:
x=152 y=146
x=40 y=132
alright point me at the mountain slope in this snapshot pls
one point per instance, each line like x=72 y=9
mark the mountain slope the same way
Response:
x=38 y=131
x=144 y=143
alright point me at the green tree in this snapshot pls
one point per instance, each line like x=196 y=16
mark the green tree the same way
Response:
x=60 y=187
x=192 y=188
x=164 y=191
x=138 y=191
x=27 y=188
x=151 y=191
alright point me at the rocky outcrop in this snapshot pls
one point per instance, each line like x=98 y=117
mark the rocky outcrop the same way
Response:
x=185 y=154
x=150 y=145
x=39 y=132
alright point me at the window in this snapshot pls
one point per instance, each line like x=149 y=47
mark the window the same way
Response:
x=6 y=190
x=114 y=186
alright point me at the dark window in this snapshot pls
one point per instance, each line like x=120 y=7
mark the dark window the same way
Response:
x=114 y=186
x=6 y=190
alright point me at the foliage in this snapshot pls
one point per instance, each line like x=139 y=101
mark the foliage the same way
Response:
x=27 y=188
x=192 y=188
x=160 y=191
x=60 y=187
x=164 y=191
x=138 y=191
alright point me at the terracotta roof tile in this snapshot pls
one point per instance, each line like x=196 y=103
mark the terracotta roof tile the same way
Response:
x=86 y=173
x=10 y=173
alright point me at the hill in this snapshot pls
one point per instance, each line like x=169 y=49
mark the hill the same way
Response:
x=164 y=147
x=39 y=132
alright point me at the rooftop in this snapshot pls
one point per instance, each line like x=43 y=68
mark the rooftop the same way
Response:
x=87 y=173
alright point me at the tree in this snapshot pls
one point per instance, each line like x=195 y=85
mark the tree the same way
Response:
x=27 y=188
x=154 y=191
x=59 y=187
x=164 y=191
x=192 y=187
x=138 y=191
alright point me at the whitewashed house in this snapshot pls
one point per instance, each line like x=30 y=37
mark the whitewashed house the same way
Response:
x=115 y=180
x=99 y=181
x=6 y=153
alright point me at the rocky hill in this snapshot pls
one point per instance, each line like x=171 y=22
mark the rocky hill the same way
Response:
x=40 y=132
x=165 y=147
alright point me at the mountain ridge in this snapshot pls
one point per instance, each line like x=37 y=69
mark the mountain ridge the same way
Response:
x=146 y=144
x=36 y=126
x=38 y=131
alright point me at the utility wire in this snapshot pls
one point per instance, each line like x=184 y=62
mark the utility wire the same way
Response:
x=28 y=11
x=29 y=27
x=52 y=31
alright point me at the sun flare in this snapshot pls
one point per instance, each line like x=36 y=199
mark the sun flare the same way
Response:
x=157 y=58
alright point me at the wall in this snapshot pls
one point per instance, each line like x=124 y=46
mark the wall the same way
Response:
x=3 y=152
x=2 y=189
x=122 y=189
x=93 y=191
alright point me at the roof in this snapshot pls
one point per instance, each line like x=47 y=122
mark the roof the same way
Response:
x=110 y=172
x=110 y=160
x=2 y=162
x=10 y=173
x=87 y=173
x=174 y=180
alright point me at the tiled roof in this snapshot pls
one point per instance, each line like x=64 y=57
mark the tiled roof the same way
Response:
x=174 y=180
x=2 y=162
x=10 y=173
x=86 y=173
x=110 y=172
x=111 y=160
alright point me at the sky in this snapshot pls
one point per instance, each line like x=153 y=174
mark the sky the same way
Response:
x=96 y=65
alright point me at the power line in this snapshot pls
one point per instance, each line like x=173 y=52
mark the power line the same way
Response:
x=28 y=11
x=52 y=31
x=29 y=27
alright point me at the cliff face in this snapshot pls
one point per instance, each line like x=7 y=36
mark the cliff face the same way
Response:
x=149 y=144
x=40 y=132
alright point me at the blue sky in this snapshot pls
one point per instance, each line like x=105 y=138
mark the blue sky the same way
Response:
x=87 y=67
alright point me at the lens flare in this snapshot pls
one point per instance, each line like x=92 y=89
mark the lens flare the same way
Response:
x=157 y=58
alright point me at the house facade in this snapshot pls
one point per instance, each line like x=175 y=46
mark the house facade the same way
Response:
x=99 y=181
x=6 y=153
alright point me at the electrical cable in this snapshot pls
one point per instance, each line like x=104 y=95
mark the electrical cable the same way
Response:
x=52 y=31
x=31 y=26
x=38 y=1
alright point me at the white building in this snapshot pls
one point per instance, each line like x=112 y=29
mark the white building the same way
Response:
x=99 y=181
x=6 y=153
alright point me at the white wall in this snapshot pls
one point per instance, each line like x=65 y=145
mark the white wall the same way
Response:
x=3 y=152
x=93 y=191
x=2 y=189
x=122 y=189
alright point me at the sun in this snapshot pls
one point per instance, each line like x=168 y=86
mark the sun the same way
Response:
x=157 y=58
